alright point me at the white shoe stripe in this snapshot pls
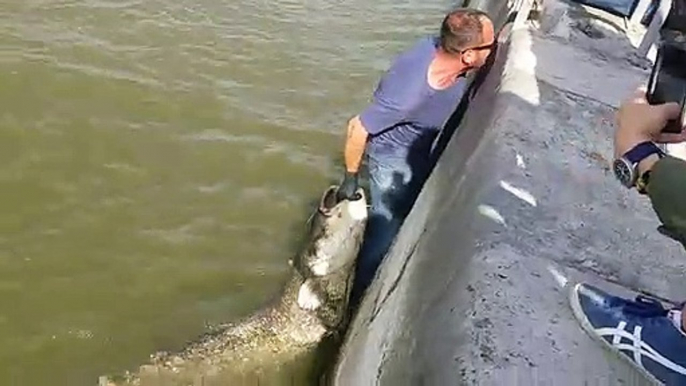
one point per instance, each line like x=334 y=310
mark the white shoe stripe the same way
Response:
x=617 y=339
x=638 y=347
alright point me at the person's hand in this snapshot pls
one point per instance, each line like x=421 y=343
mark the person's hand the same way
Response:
x=348 y=188
x=638 y=121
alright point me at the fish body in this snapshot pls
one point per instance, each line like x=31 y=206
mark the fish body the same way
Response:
x=313 y=305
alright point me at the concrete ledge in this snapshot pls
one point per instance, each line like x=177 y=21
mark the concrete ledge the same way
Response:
x=521 y=201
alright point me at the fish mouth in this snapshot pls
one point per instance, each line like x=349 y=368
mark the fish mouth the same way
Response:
x=328 y=201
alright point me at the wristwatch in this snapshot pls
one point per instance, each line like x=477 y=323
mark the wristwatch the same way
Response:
x=626 y=166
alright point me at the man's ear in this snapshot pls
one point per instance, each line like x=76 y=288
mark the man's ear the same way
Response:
x=468 y=58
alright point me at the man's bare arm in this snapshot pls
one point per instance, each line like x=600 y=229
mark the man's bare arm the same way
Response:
x=355 y=143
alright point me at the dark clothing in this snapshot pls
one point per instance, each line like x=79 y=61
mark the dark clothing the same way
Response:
x=667 y=192
x=391 y=201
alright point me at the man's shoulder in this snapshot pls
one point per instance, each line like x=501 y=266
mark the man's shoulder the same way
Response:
x=422 y=50
x=410 y=66
x=404 y=84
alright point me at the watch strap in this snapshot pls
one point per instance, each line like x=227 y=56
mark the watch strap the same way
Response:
x=643 y=150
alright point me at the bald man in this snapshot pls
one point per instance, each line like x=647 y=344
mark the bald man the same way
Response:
x=412 y=101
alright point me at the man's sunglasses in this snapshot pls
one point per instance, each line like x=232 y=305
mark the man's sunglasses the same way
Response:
x=490 y=46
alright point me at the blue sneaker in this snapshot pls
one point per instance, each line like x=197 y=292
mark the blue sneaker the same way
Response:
x=638 y=331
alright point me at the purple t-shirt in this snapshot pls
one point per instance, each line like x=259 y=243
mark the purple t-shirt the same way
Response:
x=406 y=113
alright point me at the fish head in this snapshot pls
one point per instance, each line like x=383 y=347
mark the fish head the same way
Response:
x=336 y=233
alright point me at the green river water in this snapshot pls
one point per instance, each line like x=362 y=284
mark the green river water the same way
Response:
x=158 y=159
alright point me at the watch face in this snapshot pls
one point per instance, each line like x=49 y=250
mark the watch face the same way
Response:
x=624 y=171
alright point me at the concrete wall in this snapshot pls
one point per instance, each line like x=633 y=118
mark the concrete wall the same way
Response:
x=521 y=201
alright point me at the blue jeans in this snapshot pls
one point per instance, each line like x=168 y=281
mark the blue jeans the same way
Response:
x=394 y=185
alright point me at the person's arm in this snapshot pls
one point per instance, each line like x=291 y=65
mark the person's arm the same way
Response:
x=380 y=115
x=638 y=122
x=355 y=144
x=393 y=99
x=667 y=192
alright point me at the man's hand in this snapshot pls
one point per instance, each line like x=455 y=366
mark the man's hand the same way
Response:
x=348 y=188
x=638 y=121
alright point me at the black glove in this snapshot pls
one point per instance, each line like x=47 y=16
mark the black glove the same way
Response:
x=348 y=188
